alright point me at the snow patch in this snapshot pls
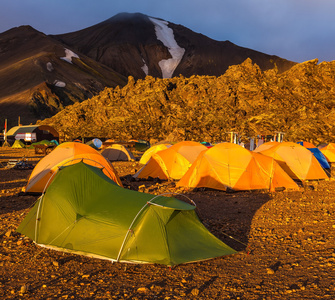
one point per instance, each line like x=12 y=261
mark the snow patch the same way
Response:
x=145 y=68
x=165 y=35
x=59 y=83
x=50 y=67
x=68 y=56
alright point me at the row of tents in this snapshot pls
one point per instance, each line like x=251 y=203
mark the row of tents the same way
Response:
x=224 y=166
x=230 y=166
x=85 y=210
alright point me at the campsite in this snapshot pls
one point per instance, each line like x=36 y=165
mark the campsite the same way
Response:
x=284 y=240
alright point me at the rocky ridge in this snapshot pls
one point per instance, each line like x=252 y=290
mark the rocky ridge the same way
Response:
x=299 y=102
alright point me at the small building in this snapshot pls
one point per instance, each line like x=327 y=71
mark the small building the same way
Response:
x=32 y=133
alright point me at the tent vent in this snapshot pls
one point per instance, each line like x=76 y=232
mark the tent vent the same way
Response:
x=78 y=217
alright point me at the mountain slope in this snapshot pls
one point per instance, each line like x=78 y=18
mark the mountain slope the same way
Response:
x=299 y=102
x=39 y=76
x=138 y=45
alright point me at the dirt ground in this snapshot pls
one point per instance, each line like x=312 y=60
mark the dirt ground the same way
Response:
x=286 y=244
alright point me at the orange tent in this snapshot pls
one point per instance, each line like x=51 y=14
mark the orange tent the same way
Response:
x=173 y=162
x=266 y=146
x=65 y=154
x=228 y=165
x=329 y=152
x=296 y=160
x=151 y=151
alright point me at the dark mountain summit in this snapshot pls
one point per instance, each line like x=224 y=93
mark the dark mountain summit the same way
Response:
x=132 y=44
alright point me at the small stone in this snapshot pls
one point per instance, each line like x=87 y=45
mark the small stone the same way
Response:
x=142 y=290
x=55 y=263
x=19 y=242
x=141 y=188
x=8 y=233
x=195 y=292
x=270 y=271
x=24 y=288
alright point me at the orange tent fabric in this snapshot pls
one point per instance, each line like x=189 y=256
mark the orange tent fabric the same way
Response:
x=228 y=165
x=266 y=146
x=297 y=161
x=65 y=154
x=329 y=152
x=151 y=151
x=306 y=144
x=173 y=162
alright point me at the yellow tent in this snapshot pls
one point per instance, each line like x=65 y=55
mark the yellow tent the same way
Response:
x=228 y=165
x=117 y=152
x=171 y=163
x=329 y=152
x=151 y=151
x=296 y=160
x=66 y=154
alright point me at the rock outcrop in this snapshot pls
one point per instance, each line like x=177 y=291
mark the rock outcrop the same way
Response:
x=299 y=102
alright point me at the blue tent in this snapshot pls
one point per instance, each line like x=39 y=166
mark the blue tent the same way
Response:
x=320 y=157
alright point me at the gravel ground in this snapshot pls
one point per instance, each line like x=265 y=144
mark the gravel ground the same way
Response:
x=286 y=244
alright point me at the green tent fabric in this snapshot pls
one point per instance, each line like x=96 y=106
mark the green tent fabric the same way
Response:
x=18 y=144
x=141 y=145
x=43 y=142
x=85 y=212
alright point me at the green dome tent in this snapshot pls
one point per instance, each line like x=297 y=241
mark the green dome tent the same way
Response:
x=85 y=212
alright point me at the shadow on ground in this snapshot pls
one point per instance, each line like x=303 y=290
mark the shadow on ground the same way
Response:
x=229 y=215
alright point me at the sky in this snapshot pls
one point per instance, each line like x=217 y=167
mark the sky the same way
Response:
x=297 y=30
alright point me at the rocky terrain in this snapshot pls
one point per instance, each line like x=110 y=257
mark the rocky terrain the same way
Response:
x=285 y=243
x=299 y=102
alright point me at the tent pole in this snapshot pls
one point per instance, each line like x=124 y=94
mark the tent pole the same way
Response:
x=127 y=233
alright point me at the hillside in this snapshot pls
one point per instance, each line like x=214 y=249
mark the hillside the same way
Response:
x=137 y=45
x=39 y=76
x=299 y=102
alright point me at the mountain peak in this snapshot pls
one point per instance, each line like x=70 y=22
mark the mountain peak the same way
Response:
x=138 y=45
x=127 y=17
